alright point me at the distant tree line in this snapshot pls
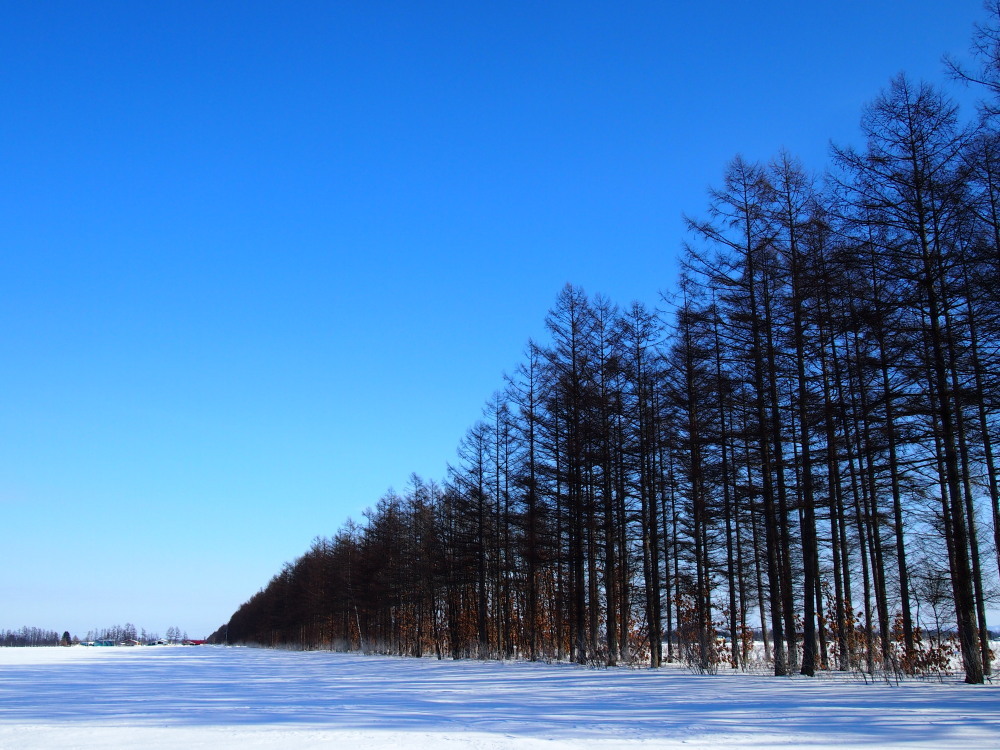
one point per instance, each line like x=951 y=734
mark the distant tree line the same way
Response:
x=117 y=633
x=32 y=637
x=129 y=632
x=801 y=445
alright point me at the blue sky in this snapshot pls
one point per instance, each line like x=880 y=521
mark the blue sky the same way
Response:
x=260 y=261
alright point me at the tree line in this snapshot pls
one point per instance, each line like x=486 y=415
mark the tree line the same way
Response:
x=798 y=448
x=129 y=632
x=27 y=636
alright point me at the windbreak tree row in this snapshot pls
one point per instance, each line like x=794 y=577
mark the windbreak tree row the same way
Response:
x=27 y=636
x=800 y=451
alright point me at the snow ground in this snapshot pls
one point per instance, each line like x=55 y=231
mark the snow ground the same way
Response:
x=213 y=697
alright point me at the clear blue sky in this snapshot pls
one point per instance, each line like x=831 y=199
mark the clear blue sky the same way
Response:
x=259 y=261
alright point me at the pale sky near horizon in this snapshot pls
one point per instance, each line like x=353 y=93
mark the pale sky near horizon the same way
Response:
x=262 y=260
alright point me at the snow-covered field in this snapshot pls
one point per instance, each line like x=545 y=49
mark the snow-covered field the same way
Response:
x=210 y=697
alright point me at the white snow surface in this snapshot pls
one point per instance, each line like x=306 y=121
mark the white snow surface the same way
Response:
x=215 y=697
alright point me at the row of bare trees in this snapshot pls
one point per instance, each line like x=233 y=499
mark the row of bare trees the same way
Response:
x=28 y=636
x=800 y=448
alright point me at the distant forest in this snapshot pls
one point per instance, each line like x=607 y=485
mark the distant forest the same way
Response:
x=800 y=448
x=29 y=636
